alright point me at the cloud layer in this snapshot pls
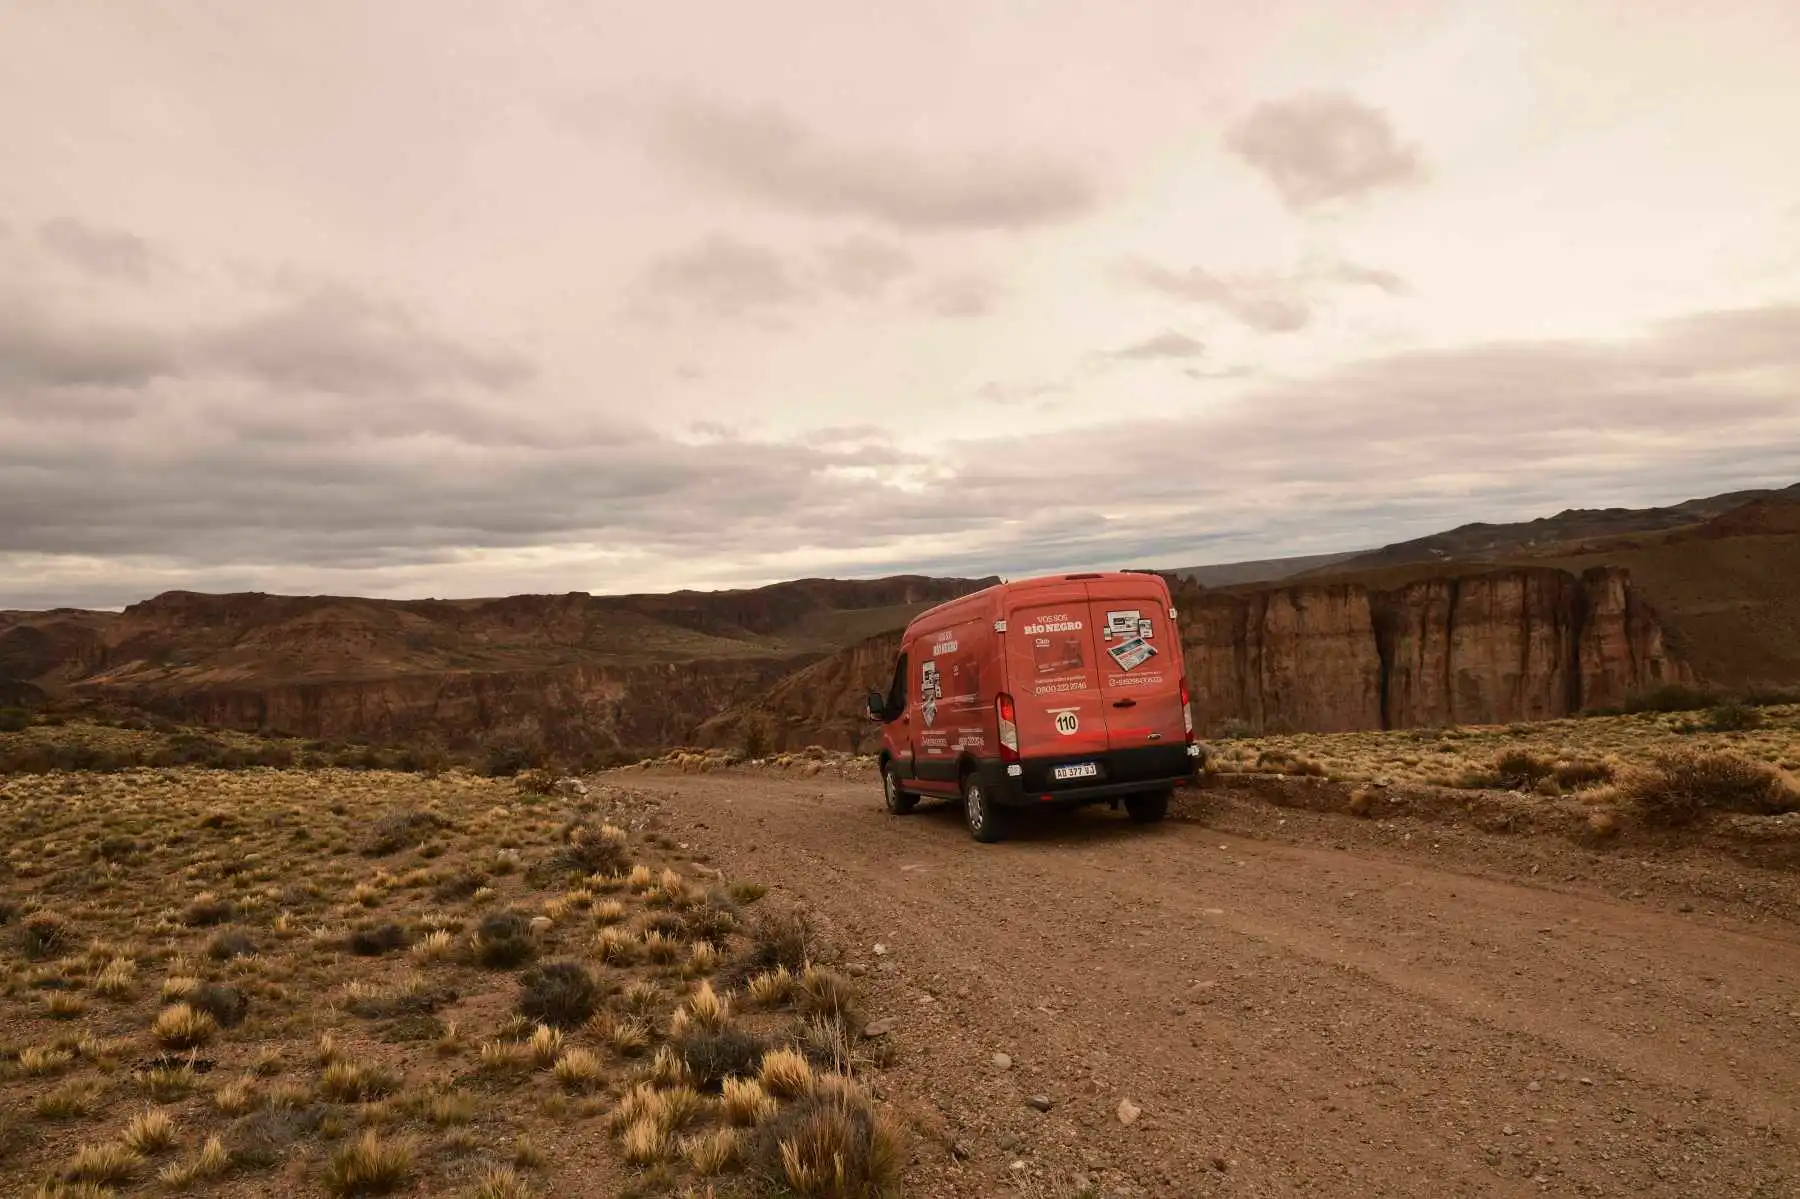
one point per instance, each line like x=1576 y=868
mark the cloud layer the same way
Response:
x=767 y=156
x=336 y=437
x=1319 y=148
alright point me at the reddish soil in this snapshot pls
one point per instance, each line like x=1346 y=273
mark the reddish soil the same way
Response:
x=1298 y=1003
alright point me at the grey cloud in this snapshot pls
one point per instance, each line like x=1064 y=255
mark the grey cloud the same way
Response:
x=722 y=276
x=1269 y=304
x=1323 y=147
x=1167 y=344
x=337 y=339
x=863 y=267
x=769 y=157
x=1383 y=449
x=39 y=347
x=107 y=253
x=960 y=296
x=1368 y=276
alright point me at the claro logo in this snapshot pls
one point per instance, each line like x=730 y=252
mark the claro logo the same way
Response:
x=1058 y=623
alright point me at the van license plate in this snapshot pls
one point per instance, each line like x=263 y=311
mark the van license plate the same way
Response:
x=1081 y=770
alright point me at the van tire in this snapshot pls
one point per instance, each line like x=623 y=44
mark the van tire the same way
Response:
x=1147 y=808
x=985 y=818
x=898 y=802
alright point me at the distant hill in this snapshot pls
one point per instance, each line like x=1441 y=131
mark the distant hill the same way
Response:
x=1266 y=570
x=1573 y=531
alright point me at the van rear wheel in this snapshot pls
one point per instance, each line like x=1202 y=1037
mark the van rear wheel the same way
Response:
x=1147 y=808
x=985 y=818
x=898 y=802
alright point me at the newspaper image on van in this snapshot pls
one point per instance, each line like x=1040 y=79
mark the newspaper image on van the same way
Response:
x=1132 y=653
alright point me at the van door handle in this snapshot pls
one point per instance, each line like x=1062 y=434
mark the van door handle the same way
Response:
x=1125 y=703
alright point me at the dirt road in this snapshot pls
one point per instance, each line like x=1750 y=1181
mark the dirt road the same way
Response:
x=1284 y=1017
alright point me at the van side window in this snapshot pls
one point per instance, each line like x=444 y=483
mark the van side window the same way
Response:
x=896 y=698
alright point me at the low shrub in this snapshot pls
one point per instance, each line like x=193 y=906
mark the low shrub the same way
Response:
x=1670 y=697
x=1683 y=786
x=1734 y=718
x=832 y=1143
x=503 y=940
x=562 y=995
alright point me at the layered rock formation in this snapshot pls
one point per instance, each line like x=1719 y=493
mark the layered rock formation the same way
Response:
x=1526 y=644
x=1490 y=648
x=574 y=672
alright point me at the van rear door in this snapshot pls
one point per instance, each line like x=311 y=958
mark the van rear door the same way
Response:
x=1138 y=663
x=1054 y=673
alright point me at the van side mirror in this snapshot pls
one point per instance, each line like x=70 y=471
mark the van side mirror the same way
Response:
x=877 y=705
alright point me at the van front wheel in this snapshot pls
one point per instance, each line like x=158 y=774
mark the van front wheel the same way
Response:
x=985 y=818
x=1147 y=809
x=898 y=802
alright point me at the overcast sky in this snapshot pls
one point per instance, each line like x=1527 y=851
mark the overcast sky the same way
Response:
x=416 y=298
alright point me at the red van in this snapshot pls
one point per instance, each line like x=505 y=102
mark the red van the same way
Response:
x=1067 y=689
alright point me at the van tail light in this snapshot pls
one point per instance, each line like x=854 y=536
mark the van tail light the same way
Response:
x=1009 y=727
x=1187 y=712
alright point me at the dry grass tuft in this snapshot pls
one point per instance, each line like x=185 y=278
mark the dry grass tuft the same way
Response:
x=580 y=1070
x=149 y=1133
x=836 y=1146
x=182 y=1027
x=502 y=1182
x=830 y=995
x=350 y=1082
x=71 y=1101
x=116 y=979
x=112 y=1164
x=714 y=1152
x=786 y=1074
x=745 y=1103
x=369 y=1166
x=211 y=1162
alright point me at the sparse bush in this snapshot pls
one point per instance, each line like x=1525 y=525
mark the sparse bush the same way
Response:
x=1521 y=770
x=1670 y=697
x=579 y=1070
x=42 y=934
x=503 y=941
x=713 y=1055
x=1575 y=776
x=1685 y=785
x=562 y=995
x=374 y=940
x=262 y=1138
x=402 y=830
x=589 y=850
x=779 y=939
x=232 y=943
x=1734 y=718
x=225 y=1003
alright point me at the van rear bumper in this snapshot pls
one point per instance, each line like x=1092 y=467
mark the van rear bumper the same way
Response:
x=1121 y=772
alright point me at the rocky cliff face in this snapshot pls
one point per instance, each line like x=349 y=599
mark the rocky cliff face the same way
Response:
x=1497 y=647
x=1299 y=656
x=821 y=704
x=1506 y=645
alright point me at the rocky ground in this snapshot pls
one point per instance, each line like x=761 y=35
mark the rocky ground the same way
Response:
x=1261 y=998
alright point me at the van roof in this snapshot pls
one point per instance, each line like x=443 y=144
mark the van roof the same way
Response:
x=976 y=600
